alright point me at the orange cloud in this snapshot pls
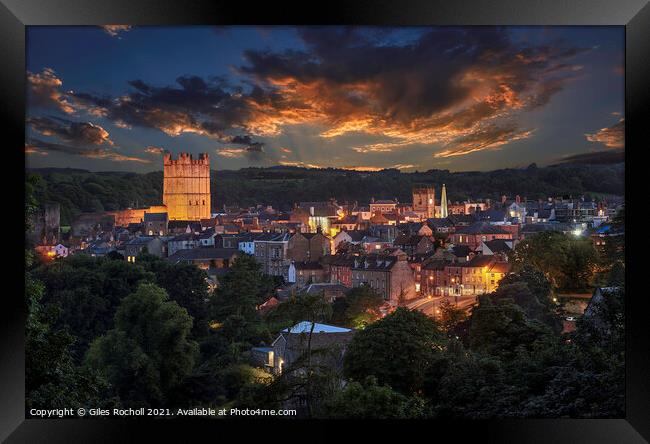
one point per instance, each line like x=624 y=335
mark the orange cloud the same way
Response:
x=43 y=89
x=489 y=138
x=611 y=137
x=231 y=152
x=153 y=150
x=30 y=149
x=115 y=30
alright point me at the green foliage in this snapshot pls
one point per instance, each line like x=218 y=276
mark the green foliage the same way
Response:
x=370 y=400
x=500 y=328
x=450 y=316
x=242 y=290
x=397 y=350
x=187 y=285
x=568 y=263
x=359 y=308
x=148 y=353
x=537 y=283
x=85 y=292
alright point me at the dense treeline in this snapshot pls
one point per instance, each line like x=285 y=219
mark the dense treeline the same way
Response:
x=82 y=191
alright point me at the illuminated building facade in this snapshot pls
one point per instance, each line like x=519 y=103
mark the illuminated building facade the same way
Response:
x=186 y=186
x=424 y=201
x=443 y=202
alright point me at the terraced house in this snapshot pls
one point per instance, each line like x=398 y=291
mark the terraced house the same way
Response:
x=390 y=275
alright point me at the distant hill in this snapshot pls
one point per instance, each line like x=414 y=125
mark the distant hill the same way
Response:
x=84 y=191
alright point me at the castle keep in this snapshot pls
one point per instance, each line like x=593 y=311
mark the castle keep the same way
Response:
x=186 y=186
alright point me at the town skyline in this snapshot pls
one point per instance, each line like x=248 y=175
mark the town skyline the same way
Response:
x=457 y=99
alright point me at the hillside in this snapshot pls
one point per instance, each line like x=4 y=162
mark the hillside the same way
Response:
x=84 y=191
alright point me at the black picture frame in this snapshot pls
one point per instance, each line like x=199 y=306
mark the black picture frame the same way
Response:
x=15 y=15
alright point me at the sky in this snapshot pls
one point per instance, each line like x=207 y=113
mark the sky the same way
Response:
x=114 y=97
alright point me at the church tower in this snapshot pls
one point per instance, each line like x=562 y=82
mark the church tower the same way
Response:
x=443 y=202
x=424 y=201
x=186 y=186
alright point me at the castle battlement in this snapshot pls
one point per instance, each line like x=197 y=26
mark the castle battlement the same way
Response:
x=186 y=159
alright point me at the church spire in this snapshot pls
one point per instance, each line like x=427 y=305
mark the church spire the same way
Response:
x=443 y=202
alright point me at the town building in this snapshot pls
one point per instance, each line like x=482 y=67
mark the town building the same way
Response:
x=424 y=201
x=473 y=235
x=382 y=206
x=414 y=244
x=271 y=252
x=304 y=247
x=206 y=258
x=389 y=275
x=304 y=273
x=183 y=241
x=328 y=341
x=155 y=224
x=155 y=245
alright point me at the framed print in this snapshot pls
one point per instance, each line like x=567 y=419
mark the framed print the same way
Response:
x=266 y=220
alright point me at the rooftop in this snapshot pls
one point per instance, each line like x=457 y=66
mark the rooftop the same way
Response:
x=306 y=327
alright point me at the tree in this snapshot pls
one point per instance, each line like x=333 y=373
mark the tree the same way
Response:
x=370 y=400
x=242 y=289
x=83 y=293
x=148 y=353
x=566 y=262
x=397 y=350
x=187 y=285
x=537 y=283
x=499 y=327
x=450 y=316
x=358 y=308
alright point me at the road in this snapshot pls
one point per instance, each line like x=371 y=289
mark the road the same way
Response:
x=430 y=305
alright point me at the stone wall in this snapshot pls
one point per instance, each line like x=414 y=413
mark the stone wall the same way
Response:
x=186 y=186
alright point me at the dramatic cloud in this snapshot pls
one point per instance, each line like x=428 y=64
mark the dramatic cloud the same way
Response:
x=248 y=141
x=76 y=133
x=95 y=152
x=490 y=137
x=597 y=158
x=611 y=137
x=446 y=85
x=43 y=91
x=459 y=89
x=194 y=106
x=115 y=30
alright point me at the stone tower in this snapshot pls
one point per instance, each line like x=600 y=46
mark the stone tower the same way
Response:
x=424 y=201
x=443 y=202
x=186 y=186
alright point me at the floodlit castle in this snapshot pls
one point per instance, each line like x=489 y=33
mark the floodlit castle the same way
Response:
x=186 y=186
